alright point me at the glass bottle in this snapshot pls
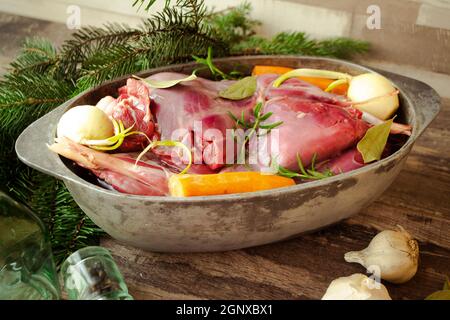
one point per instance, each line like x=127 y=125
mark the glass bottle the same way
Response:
x=27 y=269
x=91 y=274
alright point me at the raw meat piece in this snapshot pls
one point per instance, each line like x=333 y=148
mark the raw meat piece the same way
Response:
x=309 y=127
x=193 y=112
x=120 y=170
x=132 y=107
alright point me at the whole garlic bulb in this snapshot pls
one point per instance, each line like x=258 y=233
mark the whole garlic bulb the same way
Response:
x=394 y=253
x=356 y=287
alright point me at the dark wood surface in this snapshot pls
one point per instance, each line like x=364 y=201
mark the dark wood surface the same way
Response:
x=302 y=268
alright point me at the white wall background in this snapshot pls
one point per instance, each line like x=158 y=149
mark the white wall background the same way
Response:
x=278 y=15
x=410 y=27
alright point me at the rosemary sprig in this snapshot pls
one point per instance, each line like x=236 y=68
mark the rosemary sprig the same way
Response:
x=253 y=126
x=215 y=71
x=305 y=173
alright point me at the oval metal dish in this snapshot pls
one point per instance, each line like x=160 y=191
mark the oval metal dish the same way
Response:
x=215 y=223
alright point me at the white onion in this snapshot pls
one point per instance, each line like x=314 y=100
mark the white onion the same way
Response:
x=369 y=86
x=83 y=123
x=370 y=92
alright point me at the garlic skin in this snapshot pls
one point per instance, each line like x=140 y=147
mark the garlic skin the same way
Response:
x=394 y=253
x=356 y=287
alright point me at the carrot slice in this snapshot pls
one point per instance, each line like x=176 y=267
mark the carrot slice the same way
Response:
x=188 y=185
x=322 y=83
x=259 y=70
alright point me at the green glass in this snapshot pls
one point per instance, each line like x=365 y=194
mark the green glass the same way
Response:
x=91 y=274
x=27 y=269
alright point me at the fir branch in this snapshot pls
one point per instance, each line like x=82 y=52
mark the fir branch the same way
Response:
x=87 y=40
x=148 y=4
x=25 y=97
x=233 y=24
x=118 y=61
x=181 y=3
x=36 y=56
x=341 y=47
x=170 y=36
x=299 y=43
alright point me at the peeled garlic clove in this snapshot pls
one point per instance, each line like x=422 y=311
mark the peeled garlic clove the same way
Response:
x=395 y=254
x=356 y=287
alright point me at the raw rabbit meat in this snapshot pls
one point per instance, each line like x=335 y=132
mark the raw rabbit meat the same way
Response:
x=315 y=124
x=310 y=128
x=193 y=112
x=132 y=107
x=120 y=170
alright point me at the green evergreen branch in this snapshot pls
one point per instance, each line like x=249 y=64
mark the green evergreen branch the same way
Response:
x=37 y=54
x=233 y=24
x=32 y=101
x=87 y=40
x=174 y=31
x=299 y=43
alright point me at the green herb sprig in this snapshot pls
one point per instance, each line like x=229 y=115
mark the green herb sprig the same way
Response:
x=215 y=71
x=305 y=173
x=253 y=126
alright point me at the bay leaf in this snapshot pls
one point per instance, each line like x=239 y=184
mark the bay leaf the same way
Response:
x=439 y=295
x=164 y=84
x=371 y=146
x=446 y=284
x=239 y=90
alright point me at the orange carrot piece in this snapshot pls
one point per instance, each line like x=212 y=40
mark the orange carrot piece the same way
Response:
x=188 y=185
x=322 y=83
x=259 y=70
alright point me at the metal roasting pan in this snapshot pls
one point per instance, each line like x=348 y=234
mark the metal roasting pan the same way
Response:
x=227 y=222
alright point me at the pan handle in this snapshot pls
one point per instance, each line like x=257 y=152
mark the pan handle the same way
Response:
x=32 y=144
x=426 y=101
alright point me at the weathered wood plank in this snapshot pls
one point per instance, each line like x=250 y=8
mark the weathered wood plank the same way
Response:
x=14 y=29
x=296 y=269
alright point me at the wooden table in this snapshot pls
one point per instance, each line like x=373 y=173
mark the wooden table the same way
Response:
x=419 y=200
